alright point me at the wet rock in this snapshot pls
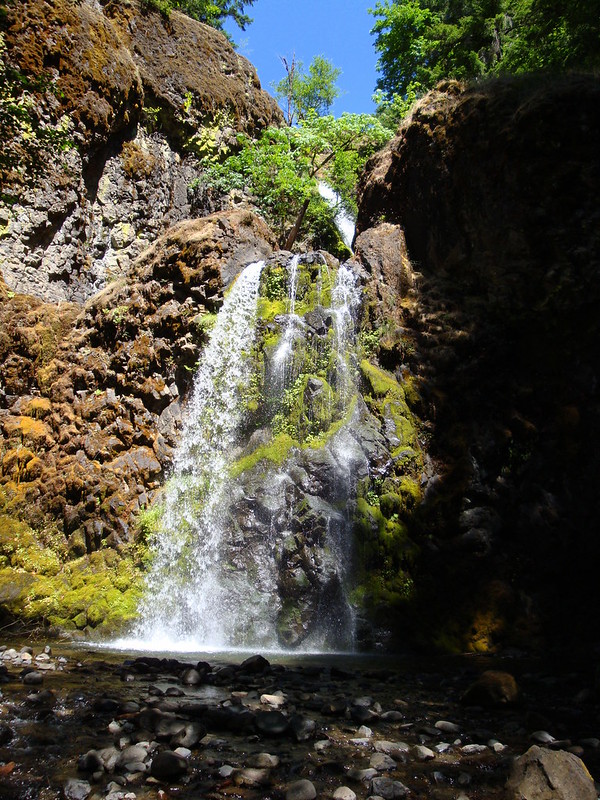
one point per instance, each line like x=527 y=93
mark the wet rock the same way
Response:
x=263 y=760
x=301 y=790
x=302 y=728
x=191 y=677
x=168 y=765
x=542 y=774
x=252 y=777
x=422 y=753
x=255 y=665
x=388 y=789
x=76 y=790
x=447 y=727
x=33 y=678
x=382 y=762
x=395 y=749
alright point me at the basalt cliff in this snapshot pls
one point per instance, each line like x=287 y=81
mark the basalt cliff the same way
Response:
x=474 y=432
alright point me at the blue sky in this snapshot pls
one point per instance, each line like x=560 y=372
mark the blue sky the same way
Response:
x=336 y=29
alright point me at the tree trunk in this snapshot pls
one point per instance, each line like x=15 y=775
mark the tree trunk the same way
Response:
x=293 y=234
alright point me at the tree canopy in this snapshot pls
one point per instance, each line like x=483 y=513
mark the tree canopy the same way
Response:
x=420 y=42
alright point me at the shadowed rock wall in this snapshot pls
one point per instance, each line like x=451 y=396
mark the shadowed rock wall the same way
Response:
x=495 y=189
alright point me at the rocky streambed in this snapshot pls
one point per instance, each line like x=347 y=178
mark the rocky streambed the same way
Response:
x=86 y=725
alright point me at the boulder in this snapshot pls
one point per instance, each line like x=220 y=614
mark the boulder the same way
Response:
x=542 y=774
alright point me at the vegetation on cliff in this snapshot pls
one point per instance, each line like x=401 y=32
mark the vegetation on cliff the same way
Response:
x=421 y=42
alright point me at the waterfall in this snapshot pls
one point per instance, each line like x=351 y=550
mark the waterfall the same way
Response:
x=233 y=547
x=187 y=598
x=345 y=224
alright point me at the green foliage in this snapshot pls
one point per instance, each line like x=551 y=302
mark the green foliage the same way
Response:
x=421 y=42
x=280 y=168
x=301 y=93
x=27 y=141
x=211 y=12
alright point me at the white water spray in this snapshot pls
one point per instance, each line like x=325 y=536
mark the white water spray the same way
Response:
x=188 y=601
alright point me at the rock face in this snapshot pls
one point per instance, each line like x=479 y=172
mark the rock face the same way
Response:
x=91 y=403
x=495 y=190
x=143 y=98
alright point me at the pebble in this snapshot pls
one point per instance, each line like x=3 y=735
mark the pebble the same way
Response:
x=301 y=790
x=364 y=732
x=226 y=770
x=358 y=775
x=263 y=760
x=274 y=700
x=322 y=744
x=252 y=777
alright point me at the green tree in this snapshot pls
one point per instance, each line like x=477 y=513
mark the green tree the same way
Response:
x=281 y=168
x=420 y=42
x=301 y=92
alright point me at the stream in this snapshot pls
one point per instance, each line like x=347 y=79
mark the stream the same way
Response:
x=80 y=722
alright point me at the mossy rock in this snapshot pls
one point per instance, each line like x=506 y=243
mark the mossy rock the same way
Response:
x=274 y=453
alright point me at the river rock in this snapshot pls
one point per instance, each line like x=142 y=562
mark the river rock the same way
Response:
x=76 y=790
x=388 y=788
x=542 y=774
x=344 y=793
x=301 y=790
x=33 y=678
x=168 y=765
x=382 y=762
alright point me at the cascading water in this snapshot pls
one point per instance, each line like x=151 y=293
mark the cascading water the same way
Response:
x=248 y=553
x=345 y=224
x=188 y=598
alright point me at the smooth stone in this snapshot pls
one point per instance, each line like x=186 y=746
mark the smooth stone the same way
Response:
x=263 y=760
x=131 y=754
x=322 y=744
x=382 y=762
x=274 y=700
x=226 y=771
x=388 y=789
x=167 y=765
x=392 y=716
x=191 y=677
x=442 y=747
x=447 y=727
x=301 y=790
x=361 y=742
x=396 y=749
x=542 y=737
x=252 y=777
x=76 y=790
x=473 y=749
x=303 y=728
x=422 y=753
x=255 y=664
x=33 y=678
x=344 y=793
x=364 y=732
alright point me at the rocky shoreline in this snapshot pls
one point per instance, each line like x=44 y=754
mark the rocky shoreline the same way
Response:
x=86 y=725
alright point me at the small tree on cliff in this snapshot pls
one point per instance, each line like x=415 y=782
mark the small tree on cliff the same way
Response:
x=302 y=92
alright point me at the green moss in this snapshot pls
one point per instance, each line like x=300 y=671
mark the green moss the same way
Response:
x=267 y=309
x=379 y=382
x=275 y=452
